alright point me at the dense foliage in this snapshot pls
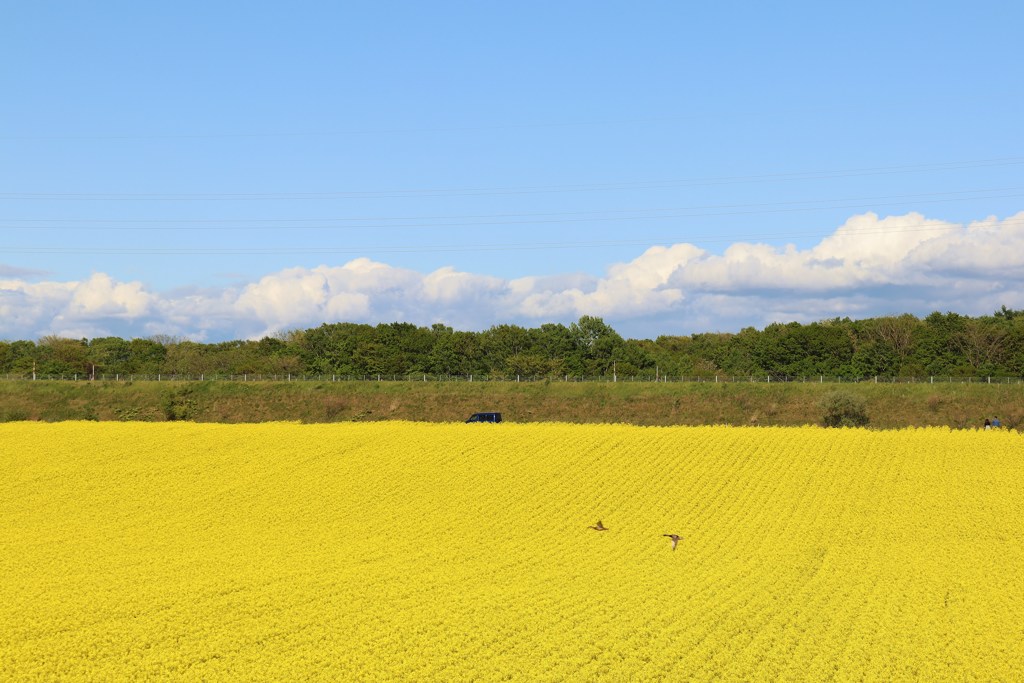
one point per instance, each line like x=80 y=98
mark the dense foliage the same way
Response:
x=940 y=344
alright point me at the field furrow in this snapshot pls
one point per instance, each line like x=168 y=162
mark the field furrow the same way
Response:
x=411 y=551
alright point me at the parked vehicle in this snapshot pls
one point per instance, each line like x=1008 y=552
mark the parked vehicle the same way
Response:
x=484 y=417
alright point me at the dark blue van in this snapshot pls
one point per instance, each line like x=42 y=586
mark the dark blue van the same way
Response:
x=484 y=417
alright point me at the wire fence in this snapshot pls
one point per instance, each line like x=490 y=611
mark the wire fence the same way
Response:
x=427 y=377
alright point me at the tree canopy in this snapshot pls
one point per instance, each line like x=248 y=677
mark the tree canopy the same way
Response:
x=946 y=344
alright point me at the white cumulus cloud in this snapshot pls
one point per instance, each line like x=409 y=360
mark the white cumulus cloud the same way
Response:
x=867 y=266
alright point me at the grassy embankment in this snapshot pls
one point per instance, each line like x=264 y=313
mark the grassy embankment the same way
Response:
x=888 y=405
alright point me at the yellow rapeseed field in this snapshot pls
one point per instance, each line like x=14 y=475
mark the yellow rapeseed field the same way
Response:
x=423 y=552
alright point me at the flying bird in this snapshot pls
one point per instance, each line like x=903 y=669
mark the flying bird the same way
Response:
x=675 y=539
x=598 y=527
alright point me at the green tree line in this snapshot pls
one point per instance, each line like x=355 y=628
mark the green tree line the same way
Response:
x=943 y=344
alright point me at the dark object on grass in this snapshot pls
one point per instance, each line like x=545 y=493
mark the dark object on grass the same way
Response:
x=484 y=417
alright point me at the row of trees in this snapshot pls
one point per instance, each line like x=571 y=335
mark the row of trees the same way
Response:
x=939 y=344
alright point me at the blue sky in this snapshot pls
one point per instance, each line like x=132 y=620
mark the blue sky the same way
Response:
x=231 y=170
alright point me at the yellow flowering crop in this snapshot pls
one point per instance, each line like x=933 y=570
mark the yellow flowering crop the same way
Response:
x=401 y=551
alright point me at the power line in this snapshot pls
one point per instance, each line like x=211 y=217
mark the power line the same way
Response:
x=484 y=191
x=338 y=133
x=477 y=247
x=364 y=223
